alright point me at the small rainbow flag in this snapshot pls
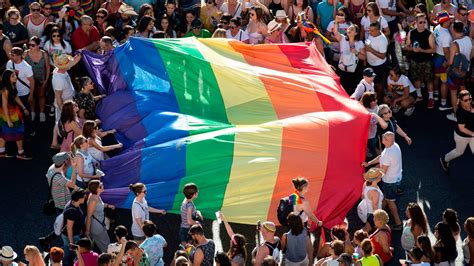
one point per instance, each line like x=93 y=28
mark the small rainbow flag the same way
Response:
x=240 y=121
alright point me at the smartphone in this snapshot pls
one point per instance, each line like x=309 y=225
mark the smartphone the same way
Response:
x=73 y=246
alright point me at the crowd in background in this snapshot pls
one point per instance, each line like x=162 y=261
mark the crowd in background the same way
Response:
x=390 y=55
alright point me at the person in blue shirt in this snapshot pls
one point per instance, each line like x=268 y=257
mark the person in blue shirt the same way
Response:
x=326 y=13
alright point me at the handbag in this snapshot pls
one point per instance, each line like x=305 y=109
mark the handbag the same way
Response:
x=348 y=62
x=49 y=208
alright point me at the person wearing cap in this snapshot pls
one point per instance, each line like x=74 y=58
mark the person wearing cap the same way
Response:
x=271 y=246
x=462 y=45
x=124 y=19
x=373 y=195
x=443 y=41
x=420 y=44
x=441 y=7
x=7 y=256
x=87 y=36
x=391 y=164
x=197 y=30
x=84 y=250
x=276 y=35
x=235 y=32
x=25 y=84
x=60 y=187
x=366 y=84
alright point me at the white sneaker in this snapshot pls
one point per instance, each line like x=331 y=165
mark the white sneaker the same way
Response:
x=444 y=105
x=42 y=117
x=33 y=116
x=409 y=111
x=452 y=117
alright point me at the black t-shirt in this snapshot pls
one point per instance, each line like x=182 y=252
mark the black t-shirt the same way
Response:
x=73 y=214
x=465 y=118
x=15 y=33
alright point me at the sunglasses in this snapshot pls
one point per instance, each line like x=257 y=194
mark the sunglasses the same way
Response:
x=467 y=100
x=224 y=22
x=464 y=15
x=197 y=28
x=421 y=22
x=102 y=17
x=35 y=10
x=340 y=15
x=13 y=17
x=55 y=36
x=144 y=191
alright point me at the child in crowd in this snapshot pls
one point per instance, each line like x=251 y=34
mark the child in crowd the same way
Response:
x=365 y=85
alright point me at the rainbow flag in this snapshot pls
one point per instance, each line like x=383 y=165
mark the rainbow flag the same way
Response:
x=238 y=120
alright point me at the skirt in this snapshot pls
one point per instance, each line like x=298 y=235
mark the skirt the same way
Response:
x=16 y=132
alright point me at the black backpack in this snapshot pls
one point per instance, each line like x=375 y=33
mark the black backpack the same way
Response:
x=285 y=207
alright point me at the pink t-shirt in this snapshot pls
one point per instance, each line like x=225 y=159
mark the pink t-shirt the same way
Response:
x=90 y=259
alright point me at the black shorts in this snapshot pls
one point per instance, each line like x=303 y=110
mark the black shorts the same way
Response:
x=380 y=72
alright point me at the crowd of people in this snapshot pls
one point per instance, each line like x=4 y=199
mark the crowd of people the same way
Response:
x=389 y=55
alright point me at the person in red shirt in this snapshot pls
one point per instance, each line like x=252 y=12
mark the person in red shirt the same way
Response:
x=87 y=36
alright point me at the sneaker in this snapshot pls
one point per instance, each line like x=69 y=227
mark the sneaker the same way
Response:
x=5 y=155
x=436 y=95
x=42 y=117
x=397 y=227
x=431 y=103
x=23 y=157
x=452 y=117
x=444 y=106
x=410 y=111
x=51 y=111
x=396 y=109
x=419 y=99
x=33 y=116
x=444 y=164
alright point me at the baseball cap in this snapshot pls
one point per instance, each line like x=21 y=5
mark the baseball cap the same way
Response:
x=60 y=158
x=368 y=72
x=196 y=23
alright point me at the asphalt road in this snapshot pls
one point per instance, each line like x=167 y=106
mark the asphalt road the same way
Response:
x=23 y=188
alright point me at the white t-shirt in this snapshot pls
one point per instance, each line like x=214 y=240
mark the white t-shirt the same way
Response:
x=399 y=86
x=392 y=157
x=362 y=87
x=390 y=4
x=56 y=50
x=465 y=46
x=139 y=211
x=380 y=45
x=23 y=71
x=242 y=35
x=437 y=8
x=345 y=47
x=442 y=38
x=225 y=9
x=62 y=82
x=365 y=23
x=342 y=29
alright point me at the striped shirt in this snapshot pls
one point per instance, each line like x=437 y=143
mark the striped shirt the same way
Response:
x=59 y=190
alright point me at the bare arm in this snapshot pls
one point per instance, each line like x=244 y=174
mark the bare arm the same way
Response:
x=383 y=241
x=7 y=46
x=5 y=106
x=381 y=122
x=69 y=226
x=72 y=183
x=96 y=145
x=262 y=252
x=228 y=228
x=155 y=210
x=198 y=257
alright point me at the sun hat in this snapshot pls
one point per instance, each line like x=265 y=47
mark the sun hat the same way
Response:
x=373 y=174
x=442 y=17
x=280 y=14
x=7 y=254
x=63 y=61
x=127 y=10
x=273 y=26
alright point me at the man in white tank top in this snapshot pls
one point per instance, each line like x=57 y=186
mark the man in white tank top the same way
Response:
x=462 y=44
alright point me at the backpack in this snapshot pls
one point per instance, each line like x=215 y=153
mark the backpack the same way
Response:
x=348 y=62
x=58 y=225
x=285 y=207
x=460 y=65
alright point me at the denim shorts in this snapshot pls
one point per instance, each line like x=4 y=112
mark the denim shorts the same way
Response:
x=389 y=190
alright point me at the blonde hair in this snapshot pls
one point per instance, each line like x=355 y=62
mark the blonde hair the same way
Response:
x=381 y=216
x=34 y=256
x=219 y=33
x=12 y=10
